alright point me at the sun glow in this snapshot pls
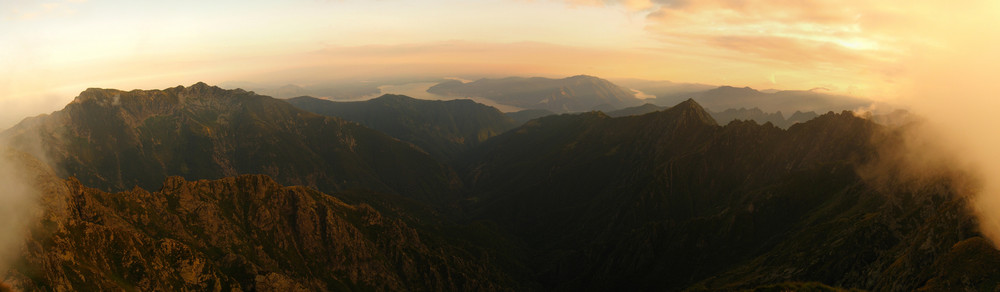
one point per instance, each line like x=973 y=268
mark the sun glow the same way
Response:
x=852 y=47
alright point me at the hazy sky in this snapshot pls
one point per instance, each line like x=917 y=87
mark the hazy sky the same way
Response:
x=52 y=50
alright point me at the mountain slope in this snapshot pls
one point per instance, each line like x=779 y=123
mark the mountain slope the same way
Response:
x=241 y=233
x=670 y=200
x=572 y=94
x=444 y=129
x=115 y=140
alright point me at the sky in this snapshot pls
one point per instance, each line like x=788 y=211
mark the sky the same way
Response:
x=52 y=50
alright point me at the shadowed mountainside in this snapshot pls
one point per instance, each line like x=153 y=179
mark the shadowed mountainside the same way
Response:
x=670 y=200
x=444 y=129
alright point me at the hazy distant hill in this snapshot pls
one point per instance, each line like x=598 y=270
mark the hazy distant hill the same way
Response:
x=663 y=88
x=761 y=117
x=331 y=89
x=800 y=117
x=444 y=129
x=754 y=114
x=116 y=140
x=572 y=94
x=727 y=97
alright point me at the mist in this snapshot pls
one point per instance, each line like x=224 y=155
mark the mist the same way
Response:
x=19 y=205
x=955 y=87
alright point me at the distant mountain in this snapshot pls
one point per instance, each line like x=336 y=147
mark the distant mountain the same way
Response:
x=523 y=116
x=754 y=114
x=663 y=88
x=670 y=201
x=444 y=129
x=244 y=233
x=800 y=117
x=727 y=97
x=572 y=94
x=116 y=140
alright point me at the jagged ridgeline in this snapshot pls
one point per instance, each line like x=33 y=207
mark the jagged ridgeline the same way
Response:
x=116 y=140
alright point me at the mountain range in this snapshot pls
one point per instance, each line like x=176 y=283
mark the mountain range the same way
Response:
x=587 y=93
x=662 y=88
x=200 y=188
x=572 y=94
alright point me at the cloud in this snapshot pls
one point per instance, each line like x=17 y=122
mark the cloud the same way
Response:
x=810 y=32
x=19 y=206
x=852 y=36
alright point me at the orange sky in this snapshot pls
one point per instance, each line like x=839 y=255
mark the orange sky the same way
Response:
x=54 y=49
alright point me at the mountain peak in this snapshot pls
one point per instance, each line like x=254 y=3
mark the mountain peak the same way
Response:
x=688 y=104
x=690 y=110
x=200 y=85
x=203 y=88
